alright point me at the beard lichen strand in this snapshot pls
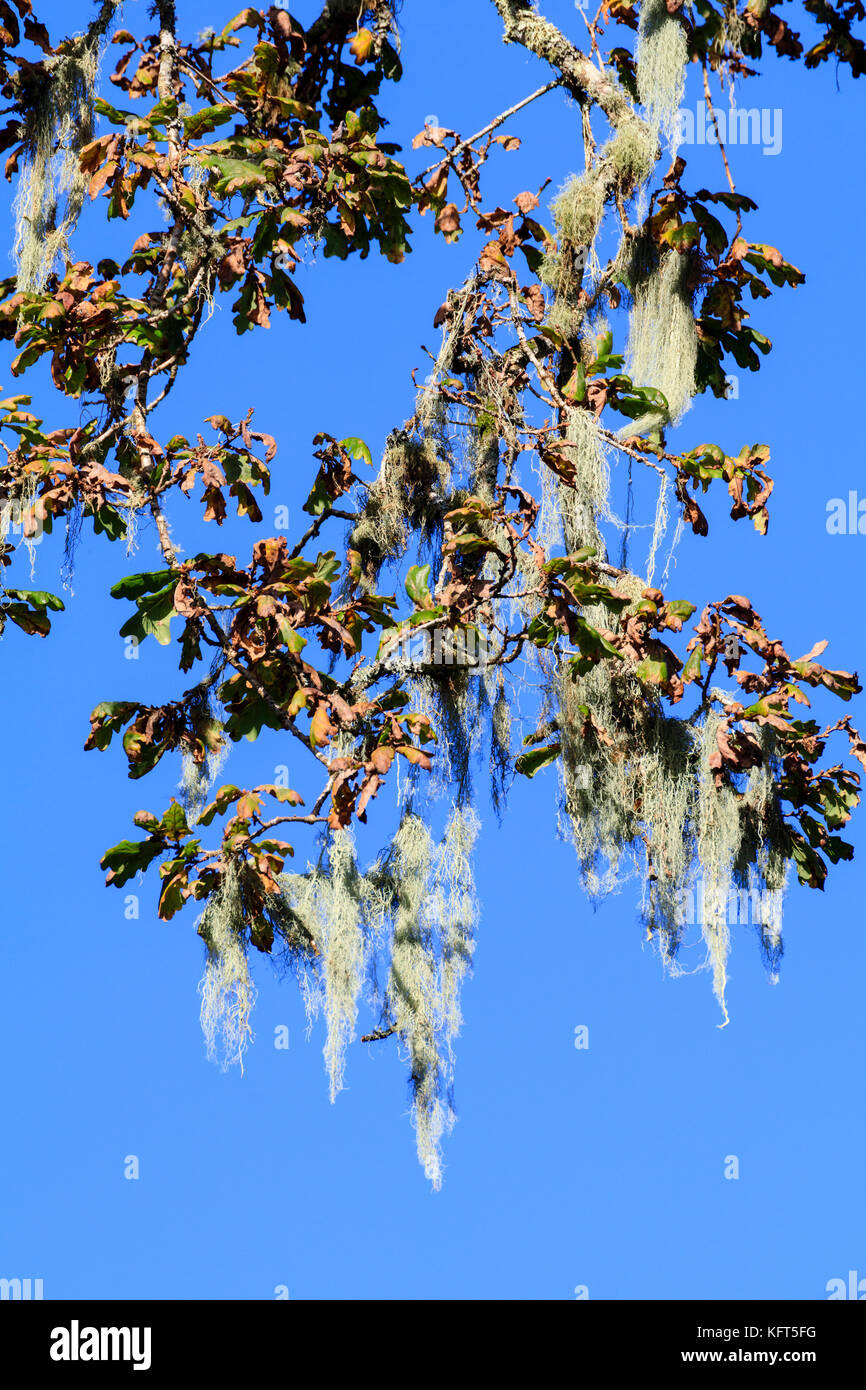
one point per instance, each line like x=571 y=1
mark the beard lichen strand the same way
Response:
x=661 y=54
x=582 y=505
x=412 y=989
x=727 y=41
x=14 y=511
x=718 y=837
x=500 y=750
x=227 y=991
x=55 y=129
x=454 y=699
x=577 y=211
x=628 y=799
x=662 y=349
x=632 y=154
x=430 y=411
x=197 y=778
x=456 y=911
x=762 y=863
x=424 y=700
x=194 y=785
x=343 y=954
x=623 y=165
x=433 y=940
x=412 y=479
x=300 y=908
x=459 y=699
x=667 y=792
x=660 y=526
x=378 y=898
x=415 y=906
x=595 y=811
x=649 y=798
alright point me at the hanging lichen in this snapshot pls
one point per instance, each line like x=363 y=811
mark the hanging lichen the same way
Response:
x=624 y=772
x=660 y=526
x=198 y=775
x=577 y=213
x=763 y=863
x=578 y=210
x=632 y=152
x=302 y=934
x=718 y=836
x=16 y=513
x=430 y=408
x=500 y=749
x=728 y=40
x=455 y=910
x=343 y=952
x=459 y=700
x=227 y=991
x=431 y=953
x=405 y=497
x=663 y=343
x=58 y=123
x=324 y=908
x=639 y=796
x=733 y=27
x=412 y=992
x=583 y=499
x=661 y=55
x=666 y=798
x=414 y=911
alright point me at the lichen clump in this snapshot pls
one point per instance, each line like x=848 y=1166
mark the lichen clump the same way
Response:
x=663 y=342
x=400 y=936
x=227 y=991
x=403 y=498
x=57 y=125
x=583 y=499
x=638 y=795
x=661 y=55
x=198 y=774
x=632 y=152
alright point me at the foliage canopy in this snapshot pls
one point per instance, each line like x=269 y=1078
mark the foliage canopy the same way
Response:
x=569 y=349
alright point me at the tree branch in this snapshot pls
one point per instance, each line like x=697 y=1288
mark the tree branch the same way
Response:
x=584 y=80
x=497 y=121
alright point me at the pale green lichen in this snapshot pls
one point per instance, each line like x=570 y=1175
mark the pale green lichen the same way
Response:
x=57 y=125
x=662 y=350
x=661 y=54
x=632 y=152
x=343 y=951
x=227 y=991
x=639 y=795
x=402 y=499
x=412 y=993
x=414 y=911
x=583 y=499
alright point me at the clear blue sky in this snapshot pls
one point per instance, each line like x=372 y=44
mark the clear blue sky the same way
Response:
x=602 y=1167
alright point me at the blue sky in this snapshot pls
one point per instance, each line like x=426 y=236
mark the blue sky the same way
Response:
x=601 y=1167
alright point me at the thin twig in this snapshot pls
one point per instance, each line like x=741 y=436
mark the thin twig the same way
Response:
x=317 y=525
x=497 y=121
x=712 y=111
x=378 y=1034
